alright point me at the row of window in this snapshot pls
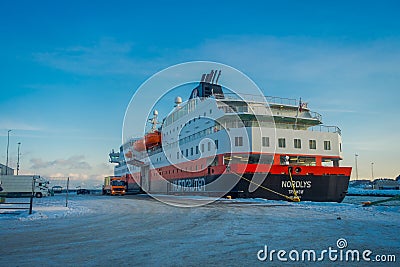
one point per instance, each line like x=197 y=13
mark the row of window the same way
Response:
x=177 y=127
x=239 y=142
x=185 y=109
x=195 y=150
x=312 y=144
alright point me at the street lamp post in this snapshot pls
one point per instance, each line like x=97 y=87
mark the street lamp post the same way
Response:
x=19 y=144
x=356 y=156
x=372 y=170
x=8 y=145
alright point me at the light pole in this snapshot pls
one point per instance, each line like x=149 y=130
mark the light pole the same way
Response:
x=8 y=145
x=372 y=170
x=356 y=156
x=19 y=144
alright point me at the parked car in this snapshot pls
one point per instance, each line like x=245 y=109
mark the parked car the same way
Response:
x=82 y=192
x=57 y=189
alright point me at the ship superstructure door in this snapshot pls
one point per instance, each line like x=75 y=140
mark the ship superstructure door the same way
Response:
x=144 y=175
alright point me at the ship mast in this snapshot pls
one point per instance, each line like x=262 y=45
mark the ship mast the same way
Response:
x=154 y=121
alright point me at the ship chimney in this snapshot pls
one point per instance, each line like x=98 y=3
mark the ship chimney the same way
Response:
x=219 y=74
x=211 y=76
x=203 y=77
x=214 y=75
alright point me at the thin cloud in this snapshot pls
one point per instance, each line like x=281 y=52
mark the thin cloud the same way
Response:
x=76 y=180
x=74 y=162
x=106 y=57
x=307 y=62
x=19 y=126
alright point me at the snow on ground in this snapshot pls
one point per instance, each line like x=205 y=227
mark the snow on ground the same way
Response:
x=56 y=207
x=45 y=208
x=99 y=230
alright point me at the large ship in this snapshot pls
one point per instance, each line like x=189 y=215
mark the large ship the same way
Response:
x=222 y=144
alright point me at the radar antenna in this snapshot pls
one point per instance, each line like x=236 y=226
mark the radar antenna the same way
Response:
x=153 y=121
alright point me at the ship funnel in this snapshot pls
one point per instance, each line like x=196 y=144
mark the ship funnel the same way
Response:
x=210 y=77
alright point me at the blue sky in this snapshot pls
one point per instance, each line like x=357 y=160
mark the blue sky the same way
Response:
x=69 y=69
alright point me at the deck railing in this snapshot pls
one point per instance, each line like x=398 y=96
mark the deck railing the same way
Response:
x=326 y=129
x=317 y=128
x=260 y=98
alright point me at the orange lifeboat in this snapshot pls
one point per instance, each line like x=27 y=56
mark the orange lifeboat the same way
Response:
x=149 y=141
x=139 y=145
x=128 y=154
x=152 y=139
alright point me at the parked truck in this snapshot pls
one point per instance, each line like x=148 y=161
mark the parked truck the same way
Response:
x=114 y=185
x=24 y=185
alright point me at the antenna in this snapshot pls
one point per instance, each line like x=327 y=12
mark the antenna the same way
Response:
x=154 y=121
x=203 y=77
x=219 y=74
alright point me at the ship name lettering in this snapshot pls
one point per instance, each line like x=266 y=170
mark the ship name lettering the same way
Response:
x=297 y=184
x=298 y=192
x=189 y=185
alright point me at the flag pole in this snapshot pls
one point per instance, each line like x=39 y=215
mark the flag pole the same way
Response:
x=297 y=114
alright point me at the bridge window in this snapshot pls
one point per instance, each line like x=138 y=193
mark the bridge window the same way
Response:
x=282 y=142
x=265 y=141
x=238 y=141
x=297 y=143
x=327 y=145
x=313 y=144
x=326 y=162
x=298 y=160
x=248 y=159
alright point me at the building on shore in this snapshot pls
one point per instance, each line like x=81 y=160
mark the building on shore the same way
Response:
x=4 y=170
x=363 y=184
x=386 y=184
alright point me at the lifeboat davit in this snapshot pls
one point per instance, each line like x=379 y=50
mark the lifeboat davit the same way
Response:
x=148 y=142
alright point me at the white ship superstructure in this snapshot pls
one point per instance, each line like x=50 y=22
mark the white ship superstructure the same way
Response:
x=242 y=138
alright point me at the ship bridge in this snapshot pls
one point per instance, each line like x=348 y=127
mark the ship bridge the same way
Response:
x=287 y=113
